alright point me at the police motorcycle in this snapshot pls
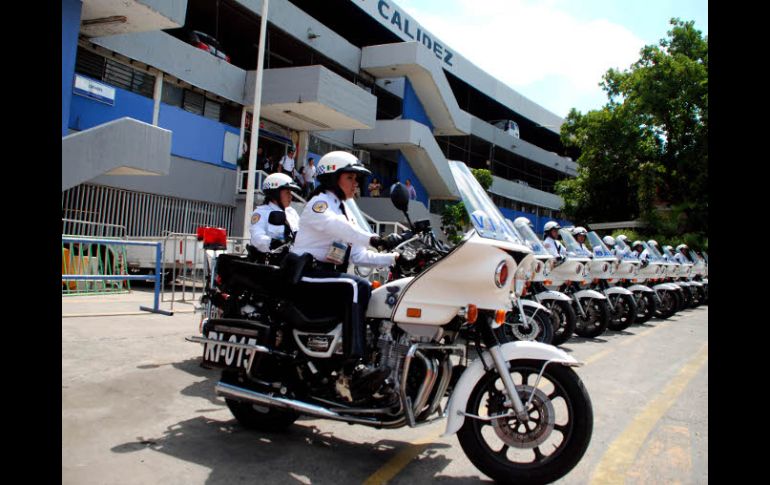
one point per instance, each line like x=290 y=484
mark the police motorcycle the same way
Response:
x=653 y=270
x=671 y=274
x=519 y=410
x=685 y=275
x=627 y=276
x=558 y=304
x=590 y=306
x=699 y=271
x=602 y=268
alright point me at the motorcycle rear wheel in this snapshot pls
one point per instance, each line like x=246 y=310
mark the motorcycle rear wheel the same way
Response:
x=510 y=451
x=251 y=416
x=596 y=320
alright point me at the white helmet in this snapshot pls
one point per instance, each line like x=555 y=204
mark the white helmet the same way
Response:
x=637 y=243
x=551 y=225
x=273 y=184
x=338 y=162
x=623 y=238
x=579 y=230
x=682 y=246
x=520 y=221
x=608 y=241
x=653 y=242
x=669 y=247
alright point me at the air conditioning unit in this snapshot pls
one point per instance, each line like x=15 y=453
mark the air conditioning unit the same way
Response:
x=364 y=156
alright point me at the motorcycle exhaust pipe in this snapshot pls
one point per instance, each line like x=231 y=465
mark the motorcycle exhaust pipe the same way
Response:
x=241 y=394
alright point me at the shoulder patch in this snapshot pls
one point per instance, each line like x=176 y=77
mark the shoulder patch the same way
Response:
x=255 y=218
x=320 y=206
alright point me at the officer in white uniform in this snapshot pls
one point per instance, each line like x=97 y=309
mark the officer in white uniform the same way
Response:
x=609 y=241
x=623 y=252
x=334 y=239
x=550 y=240
x=580 y=234
x=682 y=255
x=644 y=255
x=265 y=236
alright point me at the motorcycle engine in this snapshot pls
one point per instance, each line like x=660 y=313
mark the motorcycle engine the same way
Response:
x=392 y=351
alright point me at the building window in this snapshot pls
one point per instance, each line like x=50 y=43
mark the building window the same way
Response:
x=114 y=73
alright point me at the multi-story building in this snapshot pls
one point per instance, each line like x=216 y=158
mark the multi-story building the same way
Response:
x=157 y=98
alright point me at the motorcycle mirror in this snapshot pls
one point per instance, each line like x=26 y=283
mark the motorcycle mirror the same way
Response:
x=277 y=218
x=400 y=197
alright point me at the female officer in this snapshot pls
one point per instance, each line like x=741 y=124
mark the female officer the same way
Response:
x=265 y=236
x=334 y=240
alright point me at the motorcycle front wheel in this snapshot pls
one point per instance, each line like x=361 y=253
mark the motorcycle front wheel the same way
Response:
x=669 y=304
x=623 y=312
x=541 y=450
x=537 y=327
x=563 y=318
x=596 y=320
x=645 y=307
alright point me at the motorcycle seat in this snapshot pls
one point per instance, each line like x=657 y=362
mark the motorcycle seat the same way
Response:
x=302 y=322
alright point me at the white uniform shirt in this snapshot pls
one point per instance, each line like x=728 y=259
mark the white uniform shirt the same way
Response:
x=681 y=258
x=309 y=174
x=262 y=232
x=586 y=252
x=323 y=223
x=645 y=255
x=288 y=164
x=554 y=247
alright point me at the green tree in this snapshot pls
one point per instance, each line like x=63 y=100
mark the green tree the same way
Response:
x=647 y=148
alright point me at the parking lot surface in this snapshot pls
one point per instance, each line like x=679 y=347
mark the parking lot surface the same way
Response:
x=138 y=408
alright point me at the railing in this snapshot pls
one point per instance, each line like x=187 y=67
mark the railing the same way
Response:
x=68 y=264
x=379 y=226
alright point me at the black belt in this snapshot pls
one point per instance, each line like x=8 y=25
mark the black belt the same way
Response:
x=320 y=265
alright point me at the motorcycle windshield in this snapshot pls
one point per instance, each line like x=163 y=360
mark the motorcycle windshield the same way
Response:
x=598 y=247
x=667 y=255
x=530 y=238
x=353 y=211
x=573 y=248
x=625 y=251
x=653 y=254
x=482 y=212
x=705 y=256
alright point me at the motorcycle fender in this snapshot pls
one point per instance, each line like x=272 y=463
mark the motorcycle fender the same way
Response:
x=590 y=294
x=552 y=295
x=534 y=304
x=695 y=283
x=646 y=289
x=458 y=401
x=665 y=286
x=617 y=290
x=683 y=283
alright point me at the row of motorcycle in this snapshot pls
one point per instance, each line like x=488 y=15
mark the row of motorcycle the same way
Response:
x=593 y=289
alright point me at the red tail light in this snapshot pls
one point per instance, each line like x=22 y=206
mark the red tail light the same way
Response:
x=501 y=274
x=227 y=58
x=201 y=45
x=215 y=238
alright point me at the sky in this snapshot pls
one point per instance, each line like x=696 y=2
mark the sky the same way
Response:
x=553 y=52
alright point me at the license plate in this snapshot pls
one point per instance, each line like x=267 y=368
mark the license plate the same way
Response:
x=221 y=355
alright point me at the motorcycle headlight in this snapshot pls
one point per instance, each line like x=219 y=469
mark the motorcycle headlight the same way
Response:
x=519 y=281
x=537 y=266
x=501 y=274
x=579 y=269
x=605 y=267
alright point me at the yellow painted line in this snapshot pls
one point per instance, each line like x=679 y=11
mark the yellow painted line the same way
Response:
x=400 y=460
x=394 y=466
x=621 y=454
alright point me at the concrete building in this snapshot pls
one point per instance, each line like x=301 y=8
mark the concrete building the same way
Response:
x=156 y=114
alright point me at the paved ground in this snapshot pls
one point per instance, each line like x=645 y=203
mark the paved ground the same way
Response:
x=137 y=408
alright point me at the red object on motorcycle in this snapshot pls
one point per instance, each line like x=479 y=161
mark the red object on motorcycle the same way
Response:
x=200 y=231
x=215 y=238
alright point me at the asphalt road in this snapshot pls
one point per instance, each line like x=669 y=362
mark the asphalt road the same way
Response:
x=137 y=408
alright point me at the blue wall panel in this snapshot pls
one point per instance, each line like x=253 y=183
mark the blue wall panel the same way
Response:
x=70 y=27
x=195 y=137
x=412 y=110
x=86 y=113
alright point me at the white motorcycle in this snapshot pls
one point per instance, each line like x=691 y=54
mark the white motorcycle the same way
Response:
x=520 y=412
x=655 y=271
x=602 y=268
x=590 y=306
x=628 y=276
x=557 y=303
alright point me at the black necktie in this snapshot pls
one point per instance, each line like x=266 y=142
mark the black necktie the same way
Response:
x=346 y=259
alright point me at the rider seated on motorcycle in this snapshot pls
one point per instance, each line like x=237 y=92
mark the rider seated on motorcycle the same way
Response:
x=620 y=252
x=640 y=252
x=580 y=234
x=551 y=240
x=265 y=236
x=334 y=240
x=682 y=254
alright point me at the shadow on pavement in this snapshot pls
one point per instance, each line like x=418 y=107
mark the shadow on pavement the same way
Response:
x=233 y=453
